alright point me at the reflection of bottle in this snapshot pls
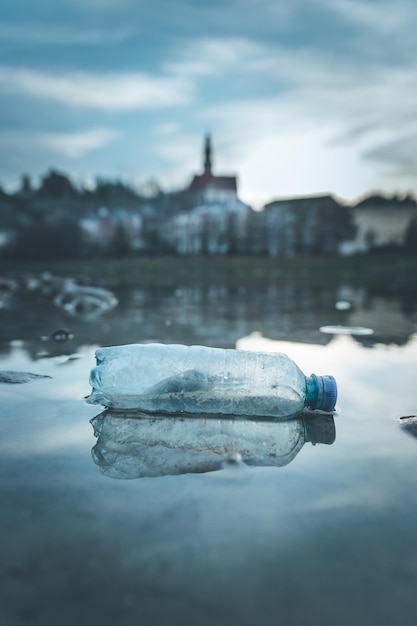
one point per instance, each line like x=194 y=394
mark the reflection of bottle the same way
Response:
x=137 y=444
x=196 y=379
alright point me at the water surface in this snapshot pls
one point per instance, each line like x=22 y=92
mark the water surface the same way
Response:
x=328 y=536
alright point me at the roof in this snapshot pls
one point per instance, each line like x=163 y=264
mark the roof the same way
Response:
x=201 y=182
x=302 y=201
x=379 y=201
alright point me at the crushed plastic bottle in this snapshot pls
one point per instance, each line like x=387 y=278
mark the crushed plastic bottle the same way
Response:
x=196 y=379
x=135 y=445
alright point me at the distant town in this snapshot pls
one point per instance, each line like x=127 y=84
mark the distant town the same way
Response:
x=58 y=219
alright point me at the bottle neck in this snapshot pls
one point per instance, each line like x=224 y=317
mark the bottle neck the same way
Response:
x=312 y=392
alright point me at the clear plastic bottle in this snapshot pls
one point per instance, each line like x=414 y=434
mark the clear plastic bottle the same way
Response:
x=134 y=445
x=196 y=379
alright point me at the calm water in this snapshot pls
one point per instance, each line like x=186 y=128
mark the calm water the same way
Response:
x=318 y=534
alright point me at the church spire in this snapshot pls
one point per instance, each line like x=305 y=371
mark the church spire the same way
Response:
x=207 y=155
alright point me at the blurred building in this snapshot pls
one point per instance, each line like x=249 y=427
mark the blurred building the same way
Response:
x=215 y=222
x=382 y=221
x=306 y=225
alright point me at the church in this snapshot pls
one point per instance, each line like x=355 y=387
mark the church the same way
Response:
x=215 y=220
x=208 y=187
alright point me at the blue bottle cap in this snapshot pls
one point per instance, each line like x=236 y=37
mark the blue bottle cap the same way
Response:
x=326 y=393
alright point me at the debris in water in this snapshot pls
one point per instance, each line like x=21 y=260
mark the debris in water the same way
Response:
x=409 y=424
x=62 y=334
x=14 y=378
x=87 y=302
x=346 y=330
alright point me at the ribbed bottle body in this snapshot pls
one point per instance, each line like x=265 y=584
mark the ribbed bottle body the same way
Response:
x=197 y=379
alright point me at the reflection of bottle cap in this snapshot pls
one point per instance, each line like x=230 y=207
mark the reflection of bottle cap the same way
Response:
x=320 y=429
x=326 y=393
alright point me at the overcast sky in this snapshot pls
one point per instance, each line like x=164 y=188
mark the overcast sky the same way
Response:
x=299 y=96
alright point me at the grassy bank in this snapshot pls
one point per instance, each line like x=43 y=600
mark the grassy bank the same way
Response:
x=390 y=272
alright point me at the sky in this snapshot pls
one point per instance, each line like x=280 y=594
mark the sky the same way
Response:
x=300 y=97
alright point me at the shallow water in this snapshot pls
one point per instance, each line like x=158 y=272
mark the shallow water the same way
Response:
x=323 y=534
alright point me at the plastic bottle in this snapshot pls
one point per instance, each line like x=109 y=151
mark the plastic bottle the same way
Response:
x=134 y=445
x=196 y=379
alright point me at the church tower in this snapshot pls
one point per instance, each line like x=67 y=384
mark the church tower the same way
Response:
x=207 y=156
x=208 y=187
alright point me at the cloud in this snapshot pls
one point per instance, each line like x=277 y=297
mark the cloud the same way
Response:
x=323 y=124
x=376 y=16
x=106 y=91
x=304 y=88
x=216 y=56
x=166 y=129
x=324 y=91
x=61 y=35
x=102 y=5
x=399 y=154
x=34 y=152
x=75 y=145
x=356 y=101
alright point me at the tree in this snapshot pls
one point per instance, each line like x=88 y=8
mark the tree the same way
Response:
x=411 y=235
x=120 y=245
x=48 y=240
